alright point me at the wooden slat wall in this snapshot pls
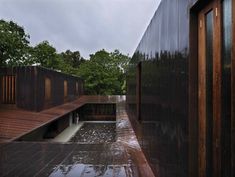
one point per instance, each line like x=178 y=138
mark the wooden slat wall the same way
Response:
x=8 y=89
x=25 y=87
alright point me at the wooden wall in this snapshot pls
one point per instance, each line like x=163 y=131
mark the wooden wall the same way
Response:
x=37 y=88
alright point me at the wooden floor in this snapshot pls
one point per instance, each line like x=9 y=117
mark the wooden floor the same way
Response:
x=122 y=158
x=15 y=122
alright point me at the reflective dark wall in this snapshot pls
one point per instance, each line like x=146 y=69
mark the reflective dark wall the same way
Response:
x=162 y=128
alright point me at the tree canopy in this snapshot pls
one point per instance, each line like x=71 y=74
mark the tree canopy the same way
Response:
x=45 y=55
x=103 y=73
x=72 y=58
x=14 y=49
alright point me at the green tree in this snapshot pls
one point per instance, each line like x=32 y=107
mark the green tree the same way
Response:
x=14 y=44
x=65 y=67
x=45 y=55
x=72 y=58
x=104 y=73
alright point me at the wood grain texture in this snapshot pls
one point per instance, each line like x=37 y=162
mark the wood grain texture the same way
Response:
x=202 y=95
x=217 y=81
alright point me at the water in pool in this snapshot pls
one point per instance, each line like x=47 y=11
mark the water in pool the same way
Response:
x=94 y=133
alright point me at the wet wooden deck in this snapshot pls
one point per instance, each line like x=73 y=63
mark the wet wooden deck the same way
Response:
x=16 y=122
x=123 y=157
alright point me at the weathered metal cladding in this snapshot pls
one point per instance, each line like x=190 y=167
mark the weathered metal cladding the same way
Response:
x=30 y=87
x=164 y=55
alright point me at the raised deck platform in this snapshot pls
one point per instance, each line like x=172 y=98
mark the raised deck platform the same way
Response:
x=16 y=122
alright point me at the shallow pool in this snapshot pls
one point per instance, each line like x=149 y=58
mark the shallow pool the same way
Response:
x=94 y=133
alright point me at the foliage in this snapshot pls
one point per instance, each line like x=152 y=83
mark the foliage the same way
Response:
x=14 y=49
x=72 y=58
x=104 y=73
x=45 y=55
x=65 y=67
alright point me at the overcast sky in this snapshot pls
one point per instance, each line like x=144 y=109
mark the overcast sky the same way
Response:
x=84 y=25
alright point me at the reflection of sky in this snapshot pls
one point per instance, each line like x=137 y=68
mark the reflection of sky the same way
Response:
x=69 y=170
x=82 y=170
x=168 y=30
x=84 y=25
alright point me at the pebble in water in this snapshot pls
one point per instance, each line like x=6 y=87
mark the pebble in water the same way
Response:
x=96 y=133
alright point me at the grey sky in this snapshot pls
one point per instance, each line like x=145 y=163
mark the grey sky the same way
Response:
x=84 y=25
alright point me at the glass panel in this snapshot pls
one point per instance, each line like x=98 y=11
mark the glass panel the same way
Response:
x=209 y=91
x=226 y=88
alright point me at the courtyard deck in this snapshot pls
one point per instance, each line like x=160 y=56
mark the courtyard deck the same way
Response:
x=123 y=157
x=16 y=122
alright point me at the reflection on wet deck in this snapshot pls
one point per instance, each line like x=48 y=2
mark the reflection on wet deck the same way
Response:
x=47 y=159
x=120 y=158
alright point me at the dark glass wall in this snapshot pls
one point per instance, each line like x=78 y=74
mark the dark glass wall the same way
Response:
x=163 y=52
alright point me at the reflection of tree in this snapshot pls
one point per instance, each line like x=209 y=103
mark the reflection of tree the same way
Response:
x=104 y=73
x=118 y=171
x=100 y=170
x=65 y=169
x=164 y=96
x=164 y=79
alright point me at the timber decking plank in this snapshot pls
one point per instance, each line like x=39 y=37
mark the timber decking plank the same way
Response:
x=16 y=122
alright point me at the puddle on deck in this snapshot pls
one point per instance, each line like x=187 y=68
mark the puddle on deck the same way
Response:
x=90 y=171
x=103 y=154
x=89 y=133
